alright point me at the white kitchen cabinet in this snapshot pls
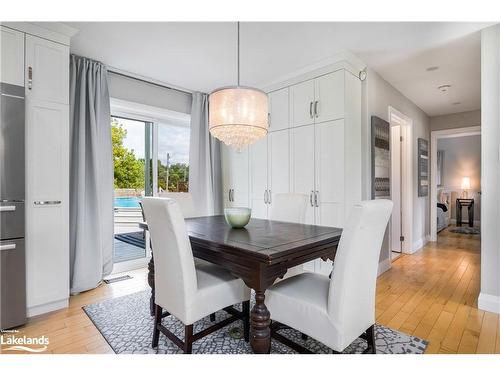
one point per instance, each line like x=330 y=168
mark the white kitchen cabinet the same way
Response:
x=258 y=180
x=329 y=97
x=279 y=110
x=47 y=70
x=279 y=164
x=302 y=163
x=302 y=103
x=47 y=199
x=47 y=175
x=236 y=177
x=12 y=45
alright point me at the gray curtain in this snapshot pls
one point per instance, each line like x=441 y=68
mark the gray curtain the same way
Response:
x=91 y=175
x=205 y=172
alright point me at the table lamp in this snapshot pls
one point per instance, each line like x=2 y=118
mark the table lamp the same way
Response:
x=465 y=187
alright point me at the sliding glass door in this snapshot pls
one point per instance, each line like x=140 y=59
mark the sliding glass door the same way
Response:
x=151 y=158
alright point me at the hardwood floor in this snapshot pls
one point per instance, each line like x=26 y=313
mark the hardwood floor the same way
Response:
x=431 y=294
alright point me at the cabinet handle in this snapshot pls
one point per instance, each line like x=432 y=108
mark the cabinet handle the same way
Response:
x=311 y=109
x=316 y=112
x=229 y=195
x=269 y=120
x=30 y=78
x=7 y=208
x=232 y=195
x=10 y=246
x=316 y=199
x=265 y=196
x=269 y=197
x=311 y=198
x=46 y=203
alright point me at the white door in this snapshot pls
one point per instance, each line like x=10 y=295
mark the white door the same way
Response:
x=278 y=110
x=258 y=180
x=47 y=196
x=279 y=164
x=396 y=188
x=302 y=159
x=301 y=102
x=47 y=70
x=329 y=97
x=12 y=55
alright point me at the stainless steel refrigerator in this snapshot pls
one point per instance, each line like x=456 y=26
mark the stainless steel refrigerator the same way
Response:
x=12 y=189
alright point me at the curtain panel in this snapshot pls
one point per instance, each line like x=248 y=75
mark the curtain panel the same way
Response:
x=91 y=175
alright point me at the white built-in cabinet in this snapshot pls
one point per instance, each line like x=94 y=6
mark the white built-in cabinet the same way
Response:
x=235 y=172
x=12 y=52
x=313 y=147
x=47 y=174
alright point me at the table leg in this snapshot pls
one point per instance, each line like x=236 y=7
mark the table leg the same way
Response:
x=260 y=334
x=151 y=282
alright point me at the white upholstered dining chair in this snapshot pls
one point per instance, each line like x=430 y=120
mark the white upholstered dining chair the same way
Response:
x=290 y=207
x=187 y=291
x=337 y=311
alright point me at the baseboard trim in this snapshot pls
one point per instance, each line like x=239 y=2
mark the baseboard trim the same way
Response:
x=420 y=243
x=489 y=303
x=384 y=266
x=48 y=307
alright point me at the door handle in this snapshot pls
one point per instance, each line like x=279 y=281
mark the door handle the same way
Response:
x=316 y=112
x=311 y=198
x=30 y=78
x=7 y=208
x=46 y=203
x=316 y=199
x=311 y=109
x=10 y=246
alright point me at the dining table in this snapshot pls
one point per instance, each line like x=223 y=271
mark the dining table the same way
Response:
x=259 y=254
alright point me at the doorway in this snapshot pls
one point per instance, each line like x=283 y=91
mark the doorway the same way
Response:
x=452 y=186
x=401 y=186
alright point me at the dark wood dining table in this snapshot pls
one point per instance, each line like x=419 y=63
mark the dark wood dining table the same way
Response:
x=259 y=254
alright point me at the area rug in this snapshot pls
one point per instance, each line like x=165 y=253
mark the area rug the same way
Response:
x=465 y=230
x=127 y=326
x=132 y=238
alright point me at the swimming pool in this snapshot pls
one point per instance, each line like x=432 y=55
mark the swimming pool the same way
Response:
x=127 y=202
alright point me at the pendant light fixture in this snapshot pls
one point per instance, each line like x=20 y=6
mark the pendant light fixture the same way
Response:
x=238 y=115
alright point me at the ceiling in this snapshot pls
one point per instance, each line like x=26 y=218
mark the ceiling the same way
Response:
x=202 y=55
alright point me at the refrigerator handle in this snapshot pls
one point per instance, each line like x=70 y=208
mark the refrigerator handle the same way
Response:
x=10 y=246
x=7 y=208
x=46 y=203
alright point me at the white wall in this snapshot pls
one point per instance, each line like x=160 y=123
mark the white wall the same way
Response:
x=462 y=157
x=456 y=120
x=378 y=95
x=489 y=298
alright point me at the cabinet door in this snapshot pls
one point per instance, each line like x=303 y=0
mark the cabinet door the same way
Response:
x=329 y=149
x=12 y=55
x=302 y=144
x=258 y=181
x=301 y=102
x=279 y=163
x=329 y=97
x=47 y=171
x=278 y=110
x=240 y=177
x=49 y=65
x=226 y=174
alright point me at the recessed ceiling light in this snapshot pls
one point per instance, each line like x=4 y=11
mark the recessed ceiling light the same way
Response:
x=432 y=68
x=444 y=88
x=456 y=103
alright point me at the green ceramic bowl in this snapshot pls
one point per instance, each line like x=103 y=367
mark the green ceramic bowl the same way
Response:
x=237 y=217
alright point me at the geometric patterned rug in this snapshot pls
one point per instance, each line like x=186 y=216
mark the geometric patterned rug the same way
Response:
x=126 y=325
x=465 y=230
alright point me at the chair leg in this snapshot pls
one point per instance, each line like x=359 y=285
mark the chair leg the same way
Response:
x=370 y=338
x=212 y=317
x=156 y=331
x=246 y=320
x=188 y=339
